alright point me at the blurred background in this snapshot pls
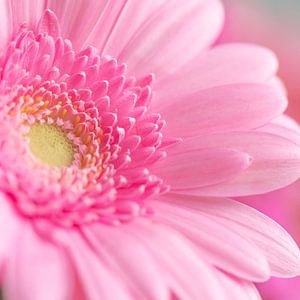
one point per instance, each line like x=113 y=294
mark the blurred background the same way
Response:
x=276 y=25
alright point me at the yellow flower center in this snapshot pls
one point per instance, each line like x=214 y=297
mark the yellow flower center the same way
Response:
x=50 y=145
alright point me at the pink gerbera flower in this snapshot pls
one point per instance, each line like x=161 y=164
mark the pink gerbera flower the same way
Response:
x=112 y=181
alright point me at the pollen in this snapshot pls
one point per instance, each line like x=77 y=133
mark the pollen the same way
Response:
x=49 y=145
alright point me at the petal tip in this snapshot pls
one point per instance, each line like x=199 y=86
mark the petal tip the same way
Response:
x=49 y=23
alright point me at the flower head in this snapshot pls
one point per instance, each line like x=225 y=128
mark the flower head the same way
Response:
x=86 y=129
x=115 y=142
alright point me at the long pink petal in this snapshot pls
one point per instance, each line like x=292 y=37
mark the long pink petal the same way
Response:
x=221 y=65
x=143 y=282
x=36 y=269
x=283 y=126
x=141 y=39
x=97 y=280
x=237 y=289
x=161 y=45
x=201 y=167
x=280 y=130
x=278 y=84
x=26 y=12
x=78 y=18
x=276 y=162
x=8 y=228
x=279 y=248
x=286 y=121
x=119 y=22
x=5 y=29
x=220 y=246
x=15 y=13
x=188 y=276
x=223 y=108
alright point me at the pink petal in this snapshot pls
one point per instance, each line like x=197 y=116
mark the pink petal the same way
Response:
x=280 y=250
x=223 y=108
x=187 y=275
x=237 y=289
x=290 y=131
x=201 y=167
x=77 y=18
x=276 y=162
x=219 y=245
x=8 y=228
x=144 y=282
x=36 y=269
x=172 y=36
x=49 y=24
x=115 y=29
x=119 y=22
x=97 y=280
x=5 y=29
x=221 y=65
x=283 y=126
x=26 y=12
x=278 y=84
x=15 y=13
x=286 y=121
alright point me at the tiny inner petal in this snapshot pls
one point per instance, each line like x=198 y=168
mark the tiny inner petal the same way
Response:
x=49 y=144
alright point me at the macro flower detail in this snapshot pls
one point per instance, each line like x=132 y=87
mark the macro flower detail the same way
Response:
x=122 y=131
x=80 y=111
